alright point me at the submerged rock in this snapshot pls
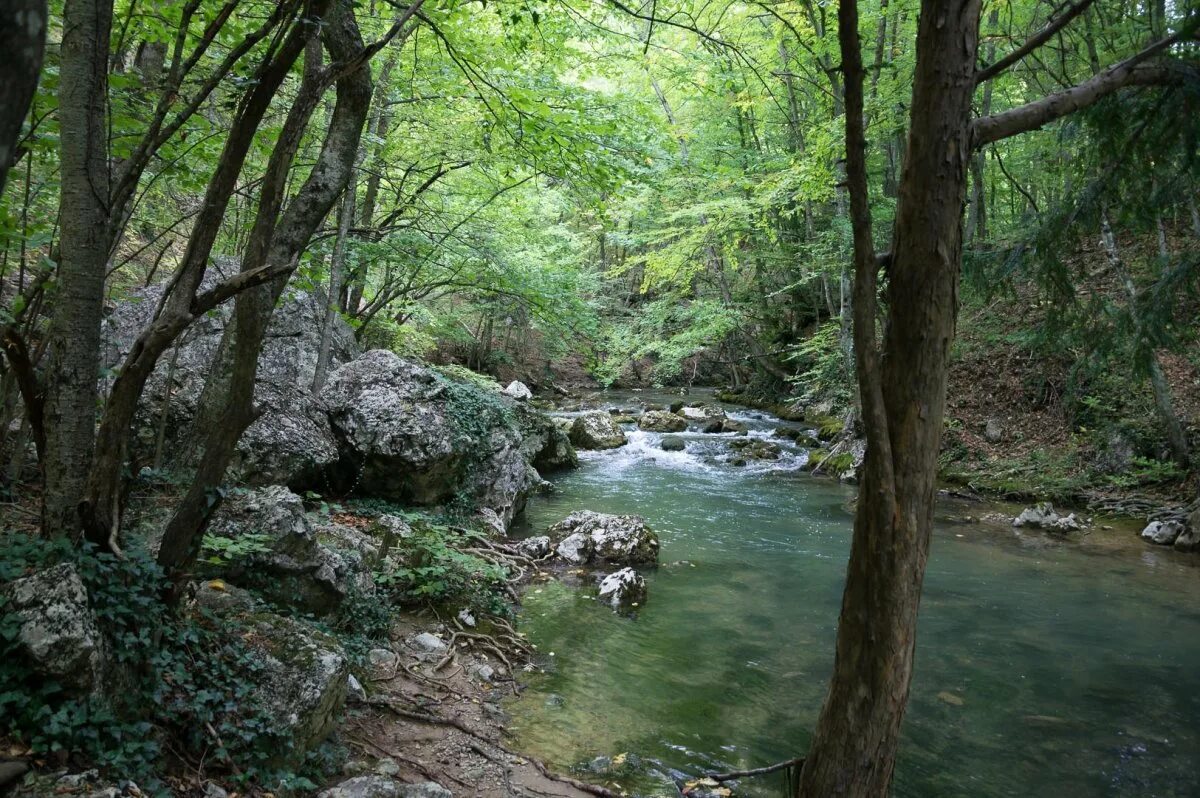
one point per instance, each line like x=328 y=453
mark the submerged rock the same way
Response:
x=597 y=431
x=56 y=627
x=618 y=539
x=1163 y=533
x=661 y=421
x=1043 y=516
x=672 y=443
x=623 y=587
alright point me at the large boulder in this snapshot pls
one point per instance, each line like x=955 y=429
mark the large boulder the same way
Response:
x=410 y=435
x=597 y=430
x=300 y=678
x=545 y=443
x=617 y=539
x=286 y=559
x=291 y=441
x=702 y=412
x=623 y=587
x=56 y=628
x=661 y=421
x=376 y=786
x=518 y=390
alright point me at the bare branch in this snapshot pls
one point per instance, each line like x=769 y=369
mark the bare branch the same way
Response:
x=1037 y=40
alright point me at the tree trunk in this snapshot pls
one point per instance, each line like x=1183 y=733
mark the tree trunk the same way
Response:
x=337 y=270
x=853 y=750
x=74 y=366
x=22 y=42
x=328 y=179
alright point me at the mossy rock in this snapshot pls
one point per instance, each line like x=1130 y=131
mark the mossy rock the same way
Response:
x=828 y=427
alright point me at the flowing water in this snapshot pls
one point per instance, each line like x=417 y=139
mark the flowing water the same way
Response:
x=1044 y=668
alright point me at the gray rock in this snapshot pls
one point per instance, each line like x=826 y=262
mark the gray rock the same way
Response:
x=466 y=618
x=294 y=568
x=536 y=547
x=301 y=680
x=673 y=443
x=545 y=440
x=364 y=787
x=355 y=690
x=382 y=663
x=1163 y=533
x=58 y=630
x=993 y=432
x=212 y=790
x=412 y=436
x=702 y=413
x=518 y=390
x=291 y=441
x=575 y=549
x=428 y=642
x=424 y=789
x=1044 y=517
x=483 y=672
x=661 y=421
x=597 y=431
x=623 y=587
x=618 y=539
x=387 y=767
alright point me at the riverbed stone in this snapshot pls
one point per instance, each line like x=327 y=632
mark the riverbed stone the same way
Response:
x=616 y=539
x=535 y=547
x=622 y=588
x=661 y=421
x=597 y=430
x=672 y=443
x=702 y=412
x=1044 y=516
x=1162 y=533
x=57 y=629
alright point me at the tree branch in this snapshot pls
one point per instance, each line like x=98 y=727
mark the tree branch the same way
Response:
x=1037 y=40
x=1130 y=72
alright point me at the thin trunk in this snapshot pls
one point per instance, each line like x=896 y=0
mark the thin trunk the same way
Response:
x=853 y=750
x=22 y=42
x=337 y=267
x=74 y=366
x=1163 y=403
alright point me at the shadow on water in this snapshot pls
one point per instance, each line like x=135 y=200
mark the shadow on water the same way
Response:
x=1043 y=668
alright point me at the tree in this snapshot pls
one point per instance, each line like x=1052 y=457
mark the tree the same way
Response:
x=903 y=382
x=22 y=39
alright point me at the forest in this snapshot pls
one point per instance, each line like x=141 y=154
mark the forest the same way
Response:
x=302 y=302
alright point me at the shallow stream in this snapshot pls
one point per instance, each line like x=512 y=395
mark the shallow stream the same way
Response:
x=1044 y=668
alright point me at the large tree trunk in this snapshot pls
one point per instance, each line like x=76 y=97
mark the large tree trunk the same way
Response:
x=22 y=42
x=71 y=390
x=853 y=751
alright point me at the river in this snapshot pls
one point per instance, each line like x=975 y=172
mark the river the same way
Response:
x=1044 y=667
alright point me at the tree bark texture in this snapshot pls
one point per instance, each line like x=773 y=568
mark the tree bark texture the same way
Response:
x=22 y=42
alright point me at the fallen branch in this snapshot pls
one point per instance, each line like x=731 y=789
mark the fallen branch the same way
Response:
x=741 y=774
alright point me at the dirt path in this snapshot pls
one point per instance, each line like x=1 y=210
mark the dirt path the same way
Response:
x=424 y=723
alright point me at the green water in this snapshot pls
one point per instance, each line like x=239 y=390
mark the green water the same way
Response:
x=1077 y=664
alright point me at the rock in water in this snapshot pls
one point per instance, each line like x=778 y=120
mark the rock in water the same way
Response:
x=545 y=441
x=518 y=390
x=412 y=436
x=597 y=431
x=575 y=549
x=622 y=588
x=535 y=547
x=618 y=539
x=673 y=443
x=1043 y=516
x=702 y=413
x=56 y=627
x=661 y=421
x=1189 y=539
x=1163 y=533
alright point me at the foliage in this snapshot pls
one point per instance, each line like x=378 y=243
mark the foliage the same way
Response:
x=435 y=569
